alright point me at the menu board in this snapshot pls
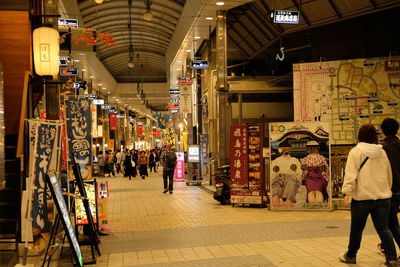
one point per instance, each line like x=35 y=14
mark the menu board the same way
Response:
x=81 y=217
x=239 y=158
x=65 y=219
x=255 y=157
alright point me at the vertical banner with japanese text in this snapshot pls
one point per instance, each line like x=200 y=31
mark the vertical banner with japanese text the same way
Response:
x=140 y=130
x=79 y=130
x=238 y=161
x=185 y=87
x=113 y=122
x=45 y=159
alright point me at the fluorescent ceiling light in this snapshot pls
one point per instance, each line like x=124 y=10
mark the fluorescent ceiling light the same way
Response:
x=197 y=37
x=220 y=3
x=91 y=77
x=188 y=50
x=99 y=84
x=209 y=18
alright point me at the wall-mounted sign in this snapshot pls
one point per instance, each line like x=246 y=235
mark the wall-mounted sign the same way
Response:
x=199 y=64
x=194 y=154
x=174 y=110
x=286 y=16
x=69 y=71
x=120 y=116
x=98 y=101
x=185 y=80
x=113 y=111
x=90 y=96
x=174 y=100
x=174 y=91
x=67 y=23
x=105 y=106
x=66 y=61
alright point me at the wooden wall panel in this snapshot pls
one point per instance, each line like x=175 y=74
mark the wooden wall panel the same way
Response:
x=16 y=56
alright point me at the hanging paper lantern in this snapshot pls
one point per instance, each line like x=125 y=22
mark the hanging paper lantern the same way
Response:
x=46 y=51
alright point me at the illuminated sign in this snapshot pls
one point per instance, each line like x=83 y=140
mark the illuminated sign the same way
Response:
x=120 y=116
x=113 y=111
x=179 y=172
x=194 y=154
x=174 y=100
x=185 y=80
x=65 y=61
x=105 y=106
x=286 y=16
x=98 y=101
x=199 y=64
x=90 y=96
x=174 y=91
x=67 y=23
x=69 y=71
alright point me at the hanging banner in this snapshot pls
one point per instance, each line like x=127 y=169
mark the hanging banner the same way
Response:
x=64 y=148
x=300 y=166
x=239 y=164
x=79 y=130
x=45 y=148
x=154 y=131
x=140 y=130
x=93 y=110
x=113 y=122
x=185 y=96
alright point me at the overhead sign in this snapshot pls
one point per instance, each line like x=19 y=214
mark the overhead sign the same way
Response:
x=98 y=101
x=185 y=80
x=199 y=64
x=120 y=116
x=286 y=16
x=113 y=111
x=174 y=100
x=105 y=106
x=67 y=23
x=66 y=61
x=69 y=71
x=174 y=91
x=90 y=96
x=194 y=154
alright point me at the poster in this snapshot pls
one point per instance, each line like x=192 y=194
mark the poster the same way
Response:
x=185 y=96
x=102 y=207
x=45 y=158
x=80 y=212
x=300 y=166
x=79 y=130
x=347 y=93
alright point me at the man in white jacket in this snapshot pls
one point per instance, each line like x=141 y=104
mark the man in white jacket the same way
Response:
x=368 y=182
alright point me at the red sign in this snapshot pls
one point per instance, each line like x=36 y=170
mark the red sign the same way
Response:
x=140 y=130
x=113 y=122
x=239 y=157
x=179 y=173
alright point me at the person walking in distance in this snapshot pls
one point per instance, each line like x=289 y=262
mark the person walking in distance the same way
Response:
x=391 y=145
x=168 y=161
x=111 y=163
x=152 y=161
x=129 y=165
x=101 y=162
x=143 y=162
x=118 y=160
x=368 y=183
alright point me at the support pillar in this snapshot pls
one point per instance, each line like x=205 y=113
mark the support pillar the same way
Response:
x=222 y=88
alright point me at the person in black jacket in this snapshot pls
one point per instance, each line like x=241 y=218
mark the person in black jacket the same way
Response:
x=391 y=146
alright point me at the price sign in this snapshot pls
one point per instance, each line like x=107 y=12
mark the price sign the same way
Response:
x=286 y=16
x=199 y=64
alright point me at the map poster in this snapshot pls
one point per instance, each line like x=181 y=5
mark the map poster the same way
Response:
x=300 y=166
x=347 y=94
x=79 y=130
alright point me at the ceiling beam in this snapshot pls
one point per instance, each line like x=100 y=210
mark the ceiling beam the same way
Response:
x=257 y=25
x=334 y=7
x=237 y=19
x=241 y=37
x=239 y=46
x=269 y=11
x=306 y=19
x=373 y=3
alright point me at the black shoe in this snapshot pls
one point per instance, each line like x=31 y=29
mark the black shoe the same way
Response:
x=170 y=192
x=165 y=191
x=344 y=258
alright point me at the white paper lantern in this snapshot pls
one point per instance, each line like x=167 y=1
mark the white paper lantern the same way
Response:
x=46 y=49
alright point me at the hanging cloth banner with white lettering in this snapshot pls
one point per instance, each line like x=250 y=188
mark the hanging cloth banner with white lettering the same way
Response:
x=79 y=130
x=45 y=158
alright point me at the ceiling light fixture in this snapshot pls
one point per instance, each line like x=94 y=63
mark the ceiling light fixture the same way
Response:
x=188 y=50
x=220 y=3
x=197 y=37
x=91 y=77
x=99 y=84
x=148 y=16
x=209 y=18
x=98 y=1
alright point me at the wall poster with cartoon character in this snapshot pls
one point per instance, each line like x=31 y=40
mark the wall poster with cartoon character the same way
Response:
x=300 y=166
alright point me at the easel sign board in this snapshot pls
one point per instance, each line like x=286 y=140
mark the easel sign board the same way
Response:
x=300 y=166
x=64 y=215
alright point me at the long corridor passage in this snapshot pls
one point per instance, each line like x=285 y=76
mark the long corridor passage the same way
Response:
x=189 y=228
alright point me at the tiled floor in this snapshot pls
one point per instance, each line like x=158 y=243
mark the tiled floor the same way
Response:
x=189 y=228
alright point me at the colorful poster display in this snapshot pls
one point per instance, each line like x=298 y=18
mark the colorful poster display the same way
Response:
x=79 y=130
x=45 y=148
x=80 y=212
x=300 y=166
x=179 y=172
x=347 y=93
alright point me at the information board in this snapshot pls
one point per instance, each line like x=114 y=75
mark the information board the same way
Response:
x=62 y=209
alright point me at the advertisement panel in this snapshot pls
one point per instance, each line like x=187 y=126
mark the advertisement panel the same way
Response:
x=300 y=166
x=80 y=212
x=179 y=172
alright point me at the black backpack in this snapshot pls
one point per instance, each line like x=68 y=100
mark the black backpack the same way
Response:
x=170 y=160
